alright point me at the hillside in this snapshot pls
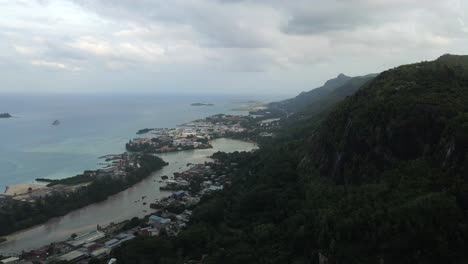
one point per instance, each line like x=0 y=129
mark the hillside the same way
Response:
x=394 y=159
x=382 y=179
x=413 y=111
x=319 y=99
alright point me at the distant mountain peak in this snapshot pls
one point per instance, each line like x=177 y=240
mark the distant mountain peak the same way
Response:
x=341 y=76
x=336 y=82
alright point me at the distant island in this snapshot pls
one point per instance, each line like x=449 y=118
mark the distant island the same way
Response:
x=144 y=131
x=5 y=115
x=56 y=123
x=201 y=104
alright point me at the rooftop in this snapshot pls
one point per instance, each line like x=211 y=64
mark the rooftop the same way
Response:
x=9 y=260
x=86 y=238
x=72 y=255
x=158 y=219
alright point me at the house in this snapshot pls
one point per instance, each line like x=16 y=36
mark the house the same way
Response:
x=86 y=238
x=73 y=256
x=158 y=221
x=179 y=194
x=215 y=188
x=149 y=231
x=112 y=243
x=100 y=252
x=118 y=240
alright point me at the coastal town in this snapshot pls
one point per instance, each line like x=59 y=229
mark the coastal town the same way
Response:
x=169 y=216
x=166 y=216
x=192 y=135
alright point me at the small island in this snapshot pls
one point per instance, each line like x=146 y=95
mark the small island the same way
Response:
x=56 y=123
x=201 y=104
x=144 y=131
x=5 y=115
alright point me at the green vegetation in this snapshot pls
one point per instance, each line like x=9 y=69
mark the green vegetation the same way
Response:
x=75 y=180
x=321 y=98
x=144 y=131
x=17 y=215
x=201 y=104
x=382 y=178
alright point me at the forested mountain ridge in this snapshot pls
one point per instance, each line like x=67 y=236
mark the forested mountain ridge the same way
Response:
x=392 y=161
x=413 y=111
x=382 y=178
x=317 y=99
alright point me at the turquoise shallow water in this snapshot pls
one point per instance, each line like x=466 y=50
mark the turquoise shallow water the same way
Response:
x=91 y=126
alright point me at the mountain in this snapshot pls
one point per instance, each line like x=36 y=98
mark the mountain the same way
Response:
x=388 y=168
x=322 y=97
x=381 y=178
x=413 y=111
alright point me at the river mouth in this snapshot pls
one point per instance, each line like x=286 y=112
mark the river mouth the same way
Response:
x=116 y=208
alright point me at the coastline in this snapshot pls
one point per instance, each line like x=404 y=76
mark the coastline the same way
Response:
x=20 y=188
x=176 y=207
x=35 y=149
x=24 y=188
x=55 y=204
x=119 y=207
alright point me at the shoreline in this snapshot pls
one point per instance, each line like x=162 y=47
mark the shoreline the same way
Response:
x=29 y=193
x=21 y=190
x=84 y=220
x=176 y=205
x=190 y=124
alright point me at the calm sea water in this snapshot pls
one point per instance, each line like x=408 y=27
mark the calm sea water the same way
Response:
x=91 y=126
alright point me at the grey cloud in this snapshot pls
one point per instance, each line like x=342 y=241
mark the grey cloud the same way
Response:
x=216 y=25
x=315 y=24
x=307 y=17
x=276 y=41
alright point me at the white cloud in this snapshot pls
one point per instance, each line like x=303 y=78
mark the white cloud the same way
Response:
x=25 y=51
x=54 y=65
x=92 y=45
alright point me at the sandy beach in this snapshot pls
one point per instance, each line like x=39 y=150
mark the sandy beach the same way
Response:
x=22 y=188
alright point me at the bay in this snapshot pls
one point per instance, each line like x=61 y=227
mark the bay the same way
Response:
x=91 y=126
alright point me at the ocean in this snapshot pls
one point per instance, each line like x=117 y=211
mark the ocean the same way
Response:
x=90 y=126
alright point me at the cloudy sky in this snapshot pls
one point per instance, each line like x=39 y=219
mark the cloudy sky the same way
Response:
x=222 y=46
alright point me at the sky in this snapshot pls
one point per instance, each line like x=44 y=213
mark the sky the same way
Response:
x=216 y=46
